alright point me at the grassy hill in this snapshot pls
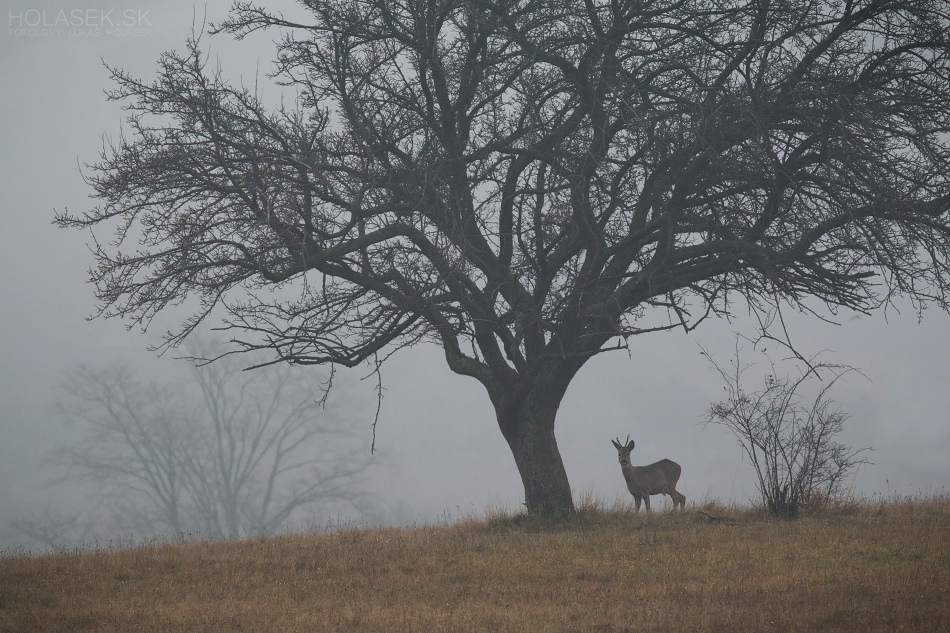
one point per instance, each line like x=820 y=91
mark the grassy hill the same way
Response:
x=866 y=567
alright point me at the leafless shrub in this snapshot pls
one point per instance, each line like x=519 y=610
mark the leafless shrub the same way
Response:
x=789 y=436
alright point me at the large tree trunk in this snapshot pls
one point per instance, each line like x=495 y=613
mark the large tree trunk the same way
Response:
x=526 y=417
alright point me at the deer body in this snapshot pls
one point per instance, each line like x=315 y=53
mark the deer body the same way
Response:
x=659 y=478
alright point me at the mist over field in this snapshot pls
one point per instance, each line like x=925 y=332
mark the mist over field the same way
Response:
x=438 y=451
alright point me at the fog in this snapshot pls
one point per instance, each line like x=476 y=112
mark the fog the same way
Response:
x=439 y=450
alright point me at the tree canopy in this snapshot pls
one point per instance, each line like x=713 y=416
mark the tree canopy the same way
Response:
x=528 y=183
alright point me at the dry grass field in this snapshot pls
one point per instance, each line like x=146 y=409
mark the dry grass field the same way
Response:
x=866 y=567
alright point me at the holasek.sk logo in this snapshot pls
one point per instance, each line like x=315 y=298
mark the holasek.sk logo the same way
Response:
x=89 y=22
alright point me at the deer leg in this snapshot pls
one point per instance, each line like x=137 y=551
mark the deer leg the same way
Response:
x=636 y=501
x=646 y=501
x=679 y=499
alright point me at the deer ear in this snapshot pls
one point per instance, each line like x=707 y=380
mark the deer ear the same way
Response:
x=629 y=445
x=616 y=444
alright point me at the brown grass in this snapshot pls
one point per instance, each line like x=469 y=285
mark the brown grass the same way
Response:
x=866 y=567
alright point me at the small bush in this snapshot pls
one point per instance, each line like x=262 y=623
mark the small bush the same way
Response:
x=788 y=436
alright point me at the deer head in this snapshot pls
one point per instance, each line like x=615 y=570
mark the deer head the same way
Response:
x=623 y=450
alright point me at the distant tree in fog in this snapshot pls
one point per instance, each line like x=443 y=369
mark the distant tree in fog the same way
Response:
x=52 y=529
x=240 y=453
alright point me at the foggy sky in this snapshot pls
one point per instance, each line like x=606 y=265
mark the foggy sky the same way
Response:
x=444 y=454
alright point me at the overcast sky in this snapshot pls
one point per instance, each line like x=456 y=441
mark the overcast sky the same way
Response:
x=437 y=430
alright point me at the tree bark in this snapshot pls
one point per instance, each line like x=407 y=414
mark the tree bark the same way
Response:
x=526 y=416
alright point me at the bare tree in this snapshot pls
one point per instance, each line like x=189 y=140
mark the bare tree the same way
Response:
x=789 y=437
x=136 y=444
x=269 y=450
x=52 y=530
x=529 y=183
x=247 y=454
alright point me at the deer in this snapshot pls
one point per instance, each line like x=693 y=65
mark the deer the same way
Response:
x=656 y=479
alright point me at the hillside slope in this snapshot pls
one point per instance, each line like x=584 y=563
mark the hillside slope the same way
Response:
x=870 y=567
